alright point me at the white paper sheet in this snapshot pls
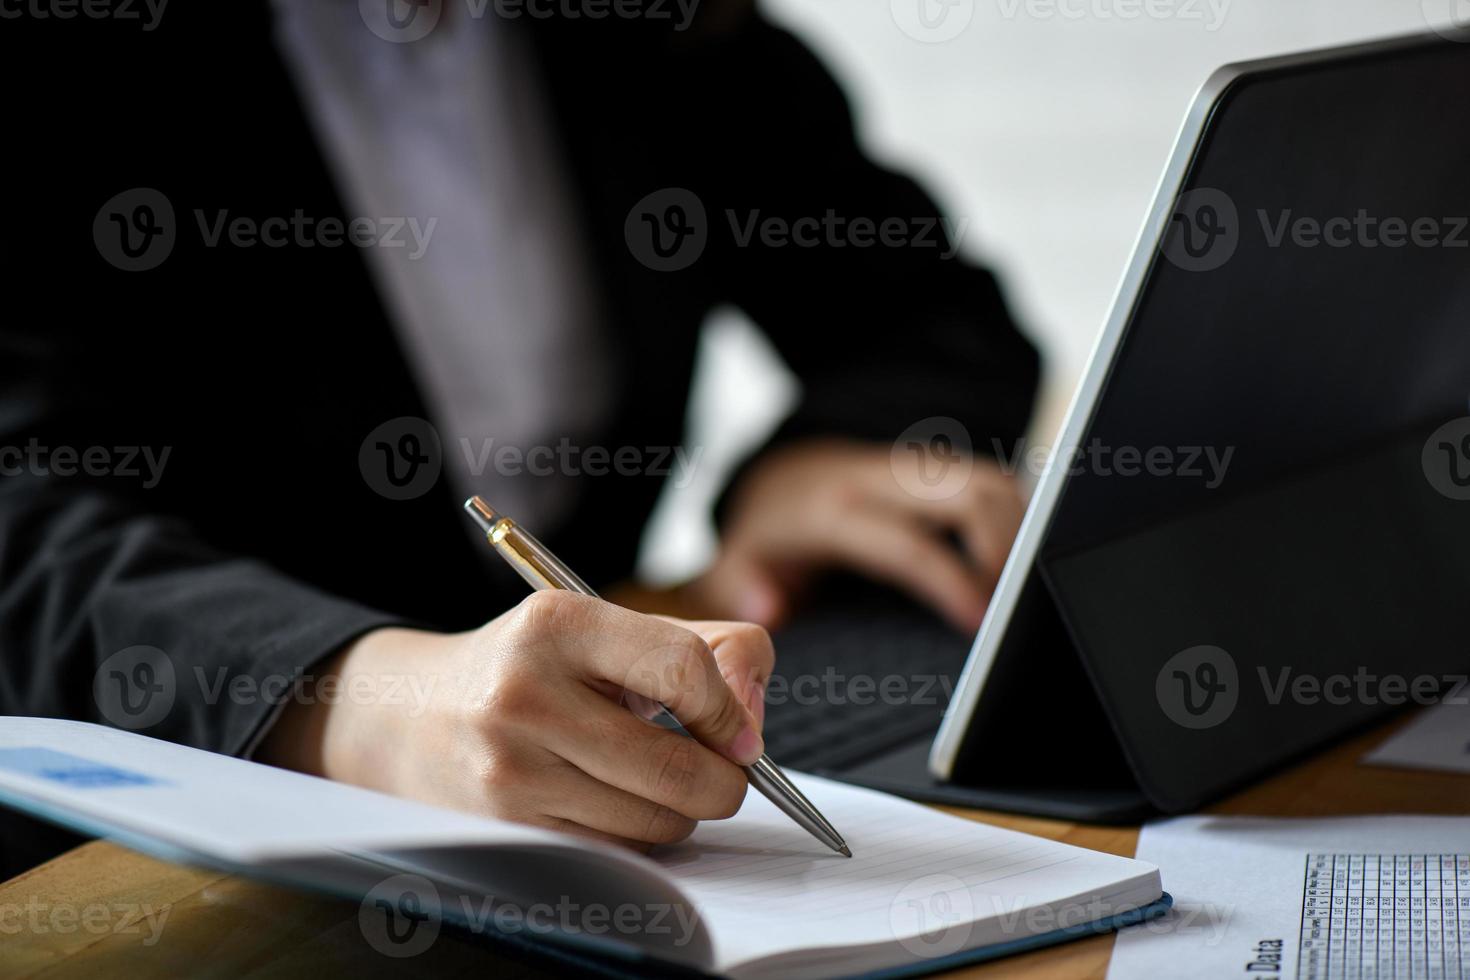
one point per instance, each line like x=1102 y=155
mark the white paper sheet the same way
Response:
x=1438 y=739
x=1358 y=898
x=933 y=882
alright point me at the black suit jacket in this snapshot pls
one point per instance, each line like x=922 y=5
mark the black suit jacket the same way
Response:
x=261 y=370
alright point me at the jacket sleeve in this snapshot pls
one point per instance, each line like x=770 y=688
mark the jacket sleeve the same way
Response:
x=850 y=268
x=112 y=613
x=113 y=608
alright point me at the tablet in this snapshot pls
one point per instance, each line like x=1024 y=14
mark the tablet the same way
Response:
x=1254 y=532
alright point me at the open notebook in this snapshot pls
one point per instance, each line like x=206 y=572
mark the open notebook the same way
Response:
x=750 y=896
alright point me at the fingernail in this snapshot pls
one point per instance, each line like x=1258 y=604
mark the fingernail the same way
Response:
x=755 y=700
x=754 y=607
x=747 y=746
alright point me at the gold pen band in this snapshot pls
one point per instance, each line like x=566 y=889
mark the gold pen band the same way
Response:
x=531 y=559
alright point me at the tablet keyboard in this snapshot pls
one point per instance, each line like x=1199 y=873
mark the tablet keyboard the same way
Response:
x=856 y=675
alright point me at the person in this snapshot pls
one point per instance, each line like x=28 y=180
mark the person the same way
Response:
x=286 y=282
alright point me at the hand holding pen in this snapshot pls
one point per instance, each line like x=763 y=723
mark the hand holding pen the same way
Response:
x=520 y=719
x=544 y=571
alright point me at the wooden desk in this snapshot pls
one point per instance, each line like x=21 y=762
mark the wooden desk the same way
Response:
x=222 y=926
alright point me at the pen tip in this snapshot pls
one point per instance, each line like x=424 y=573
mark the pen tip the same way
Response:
x=845 y=851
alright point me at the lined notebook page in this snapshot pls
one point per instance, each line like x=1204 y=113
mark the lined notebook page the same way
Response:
x=763 y=886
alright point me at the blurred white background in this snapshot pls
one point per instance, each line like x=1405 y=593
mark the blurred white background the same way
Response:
x=1044 y=126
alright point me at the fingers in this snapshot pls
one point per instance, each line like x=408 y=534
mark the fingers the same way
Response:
x=846 y=505
x=660 y=767
x=683 y=675
x=740 y=586
x=676 y=667
x=557 y=748
x=986 y=511
x=565 y=826
x=990 y=530
x=609 y=812
x=986 y=516
x=531 y=784
x=646 y=656
x=903 y=552
x=746 y=659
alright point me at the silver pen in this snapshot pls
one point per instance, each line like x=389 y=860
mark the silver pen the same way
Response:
x=543 y=570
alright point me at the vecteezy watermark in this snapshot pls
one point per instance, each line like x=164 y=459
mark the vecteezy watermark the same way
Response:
x=567 y=917
x=1209 y=920
x=1208 y=464
x=1209 y=14
x=566 y=458
x=403 y=458
x=1362 y=687
x=137 y=230
x=143 y=463
x=1446 y=459
x=401 y=21
x=1362 y=230
x=1203 y=231
x=1017 y=915
x=1448 y=18
x=136 y=688
x=401 y=917
x=669 y=229
x=832 y=230
x=301 y=230
x=404 y=21
x=48 y=917
x=935 y=915
x=837 y=687
x=1200 y=687
x=933 y=459
x=145 y=13
x=674 y=674
x=932 y=21
x=1206 y=229
x=679 y=14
